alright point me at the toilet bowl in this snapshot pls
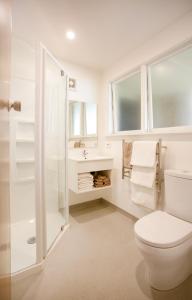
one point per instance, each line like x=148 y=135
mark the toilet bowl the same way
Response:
x=166 y=245
x=164 y=239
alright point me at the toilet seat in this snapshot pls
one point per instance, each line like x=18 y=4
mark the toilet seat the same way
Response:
x=162 y=230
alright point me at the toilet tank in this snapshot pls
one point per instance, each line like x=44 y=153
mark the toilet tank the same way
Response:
x=178 y=194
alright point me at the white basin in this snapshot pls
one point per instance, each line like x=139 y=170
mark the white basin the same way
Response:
x=89 y=158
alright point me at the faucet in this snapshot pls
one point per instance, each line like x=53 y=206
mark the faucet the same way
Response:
x=85 y=153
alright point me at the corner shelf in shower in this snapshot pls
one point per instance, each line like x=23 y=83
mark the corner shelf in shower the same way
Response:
x=25 y=121
x=22 y=154
x=25 y=179
x=24 y=140
x=25 y=161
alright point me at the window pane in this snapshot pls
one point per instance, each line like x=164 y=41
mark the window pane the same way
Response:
x=91 y=118
x=76 y=118
x=127 y=103
x=171 y=82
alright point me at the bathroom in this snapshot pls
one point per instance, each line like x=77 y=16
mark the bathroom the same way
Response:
x=84 y=80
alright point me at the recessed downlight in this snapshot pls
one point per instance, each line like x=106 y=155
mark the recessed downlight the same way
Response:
x=70 y=35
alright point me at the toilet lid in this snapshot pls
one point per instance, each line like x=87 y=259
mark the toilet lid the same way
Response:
x=161 y=230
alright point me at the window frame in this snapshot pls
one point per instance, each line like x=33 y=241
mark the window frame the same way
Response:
x=175 y=129
x=143 y=101
x=146 y=98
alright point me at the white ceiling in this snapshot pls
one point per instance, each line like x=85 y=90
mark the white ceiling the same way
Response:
x=106 y=29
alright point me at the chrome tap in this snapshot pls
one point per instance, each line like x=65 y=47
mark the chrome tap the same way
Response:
x=85 y=153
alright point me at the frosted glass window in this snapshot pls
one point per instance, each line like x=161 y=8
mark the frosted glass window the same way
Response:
x=127 y=103
x=171 y=90
x=76 y=118
x=91 y=118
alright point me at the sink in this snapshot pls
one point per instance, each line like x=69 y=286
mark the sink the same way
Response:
x=89 y=158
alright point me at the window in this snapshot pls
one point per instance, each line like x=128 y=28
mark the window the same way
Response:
x=126 y=97
x=170 y=90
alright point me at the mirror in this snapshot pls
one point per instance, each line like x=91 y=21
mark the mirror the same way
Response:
x=82 y=119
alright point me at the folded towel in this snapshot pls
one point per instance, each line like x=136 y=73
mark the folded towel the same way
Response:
x=144 y=196
x=85 y=189
x=85 y=180
x=143 y=176
x=127 y=150
x=85 y=184
x=85 y=175
x=144 y=153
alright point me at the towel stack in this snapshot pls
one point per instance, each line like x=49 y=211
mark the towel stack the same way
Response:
x=144 y=162
x=85 y=181
x=101 y=181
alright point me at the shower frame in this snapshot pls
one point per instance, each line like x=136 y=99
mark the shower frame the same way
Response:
x=41 y=228
x=40 y=201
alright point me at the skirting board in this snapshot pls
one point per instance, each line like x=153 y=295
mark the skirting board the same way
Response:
x=95 y=202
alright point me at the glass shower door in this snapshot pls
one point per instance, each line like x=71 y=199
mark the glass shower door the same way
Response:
x=54 y=148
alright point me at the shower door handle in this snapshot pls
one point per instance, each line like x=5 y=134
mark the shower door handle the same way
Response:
x=16 y=105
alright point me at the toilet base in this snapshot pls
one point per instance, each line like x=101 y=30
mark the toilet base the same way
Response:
x=167 y=268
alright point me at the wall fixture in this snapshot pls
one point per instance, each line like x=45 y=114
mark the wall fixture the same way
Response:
x=72 y=83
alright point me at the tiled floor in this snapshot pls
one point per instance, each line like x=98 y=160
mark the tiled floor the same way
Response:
x=96 y=259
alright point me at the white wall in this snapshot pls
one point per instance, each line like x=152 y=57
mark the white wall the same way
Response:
x=179 y=146
x=88 y=90
x=88 y=83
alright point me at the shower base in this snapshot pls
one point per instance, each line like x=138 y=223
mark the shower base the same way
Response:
x=23 y=254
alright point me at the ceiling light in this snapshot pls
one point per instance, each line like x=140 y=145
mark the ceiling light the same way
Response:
x=70 y=35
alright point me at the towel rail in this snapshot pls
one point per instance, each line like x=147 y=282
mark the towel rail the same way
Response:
x=126 y=172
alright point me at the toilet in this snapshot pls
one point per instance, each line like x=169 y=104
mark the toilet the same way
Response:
x=165 y=237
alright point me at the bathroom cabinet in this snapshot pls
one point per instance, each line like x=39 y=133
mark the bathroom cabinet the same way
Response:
x=81 y=165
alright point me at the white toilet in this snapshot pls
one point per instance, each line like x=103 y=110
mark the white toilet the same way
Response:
x=165 y=237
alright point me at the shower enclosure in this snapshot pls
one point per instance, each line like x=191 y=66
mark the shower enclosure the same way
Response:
x=39 y=205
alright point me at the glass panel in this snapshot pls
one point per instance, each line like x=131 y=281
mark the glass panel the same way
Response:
x=171 y=82
x=23 y=217
x=91 y=118
x=76 y=118
x=127 y=103
x=54 y=148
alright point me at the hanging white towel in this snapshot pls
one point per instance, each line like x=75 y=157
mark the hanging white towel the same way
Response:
x=144 y=153
x=143 y=176
x=144 y=196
